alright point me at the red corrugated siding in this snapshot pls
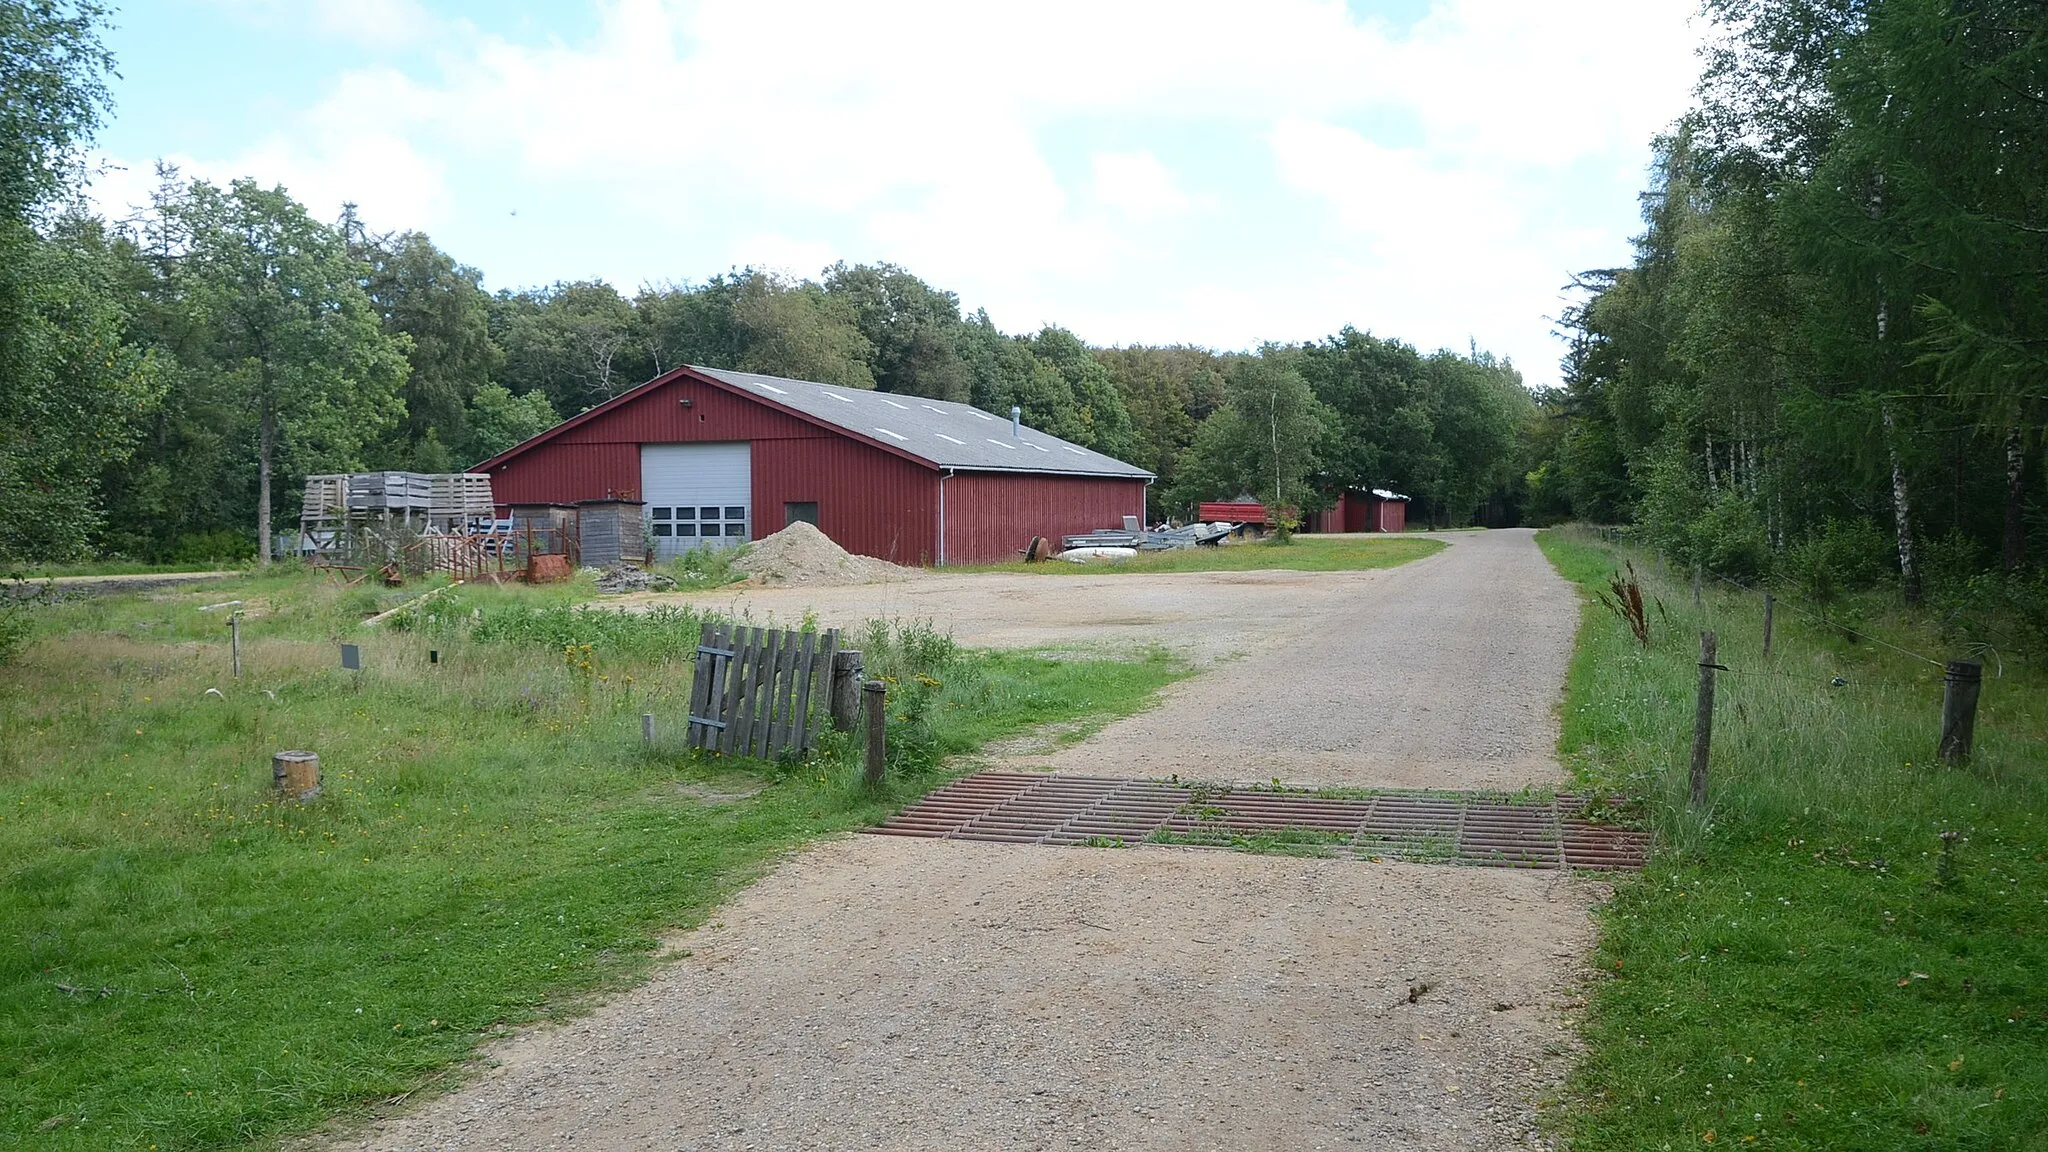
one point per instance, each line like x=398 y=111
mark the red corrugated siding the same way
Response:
x=991 y=516
x=870 y=501
x=563 y=473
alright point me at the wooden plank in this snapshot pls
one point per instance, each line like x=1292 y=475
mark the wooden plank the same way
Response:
x=750 y=692
x=773 y=710
x=771 y=672
x=764 y=679
x=700 y=688
x=795 y=649
x=703 y=686
x=759 y=657
x=800 y=703
x=729 y=690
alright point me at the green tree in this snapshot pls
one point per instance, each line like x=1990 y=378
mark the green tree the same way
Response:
x=440 y=306
x=497 y=420
x=574 y=342
x=73 y=391
x=1097 y=414
x=913 y=328
x=1168 y=392
x=281 y=333
x=1266 y=441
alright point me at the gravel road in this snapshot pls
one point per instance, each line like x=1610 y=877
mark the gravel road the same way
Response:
x=875 y=992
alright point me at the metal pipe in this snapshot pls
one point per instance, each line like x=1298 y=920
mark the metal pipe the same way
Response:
x=1016 y=422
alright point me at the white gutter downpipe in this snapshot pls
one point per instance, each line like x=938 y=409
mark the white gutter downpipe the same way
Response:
x=943 y=474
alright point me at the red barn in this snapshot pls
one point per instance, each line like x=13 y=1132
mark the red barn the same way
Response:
x=722 y=457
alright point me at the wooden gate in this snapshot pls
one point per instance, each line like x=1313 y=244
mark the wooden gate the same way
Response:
x=756 y=688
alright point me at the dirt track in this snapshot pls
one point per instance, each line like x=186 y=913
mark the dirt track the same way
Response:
x=877 y=992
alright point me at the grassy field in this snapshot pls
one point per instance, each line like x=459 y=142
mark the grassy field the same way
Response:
x=1302 y=554
x=1808 y=963
x=188 y=964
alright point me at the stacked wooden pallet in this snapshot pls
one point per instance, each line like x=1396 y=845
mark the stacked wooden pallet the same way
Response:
x=390 y=492
x=459 y=496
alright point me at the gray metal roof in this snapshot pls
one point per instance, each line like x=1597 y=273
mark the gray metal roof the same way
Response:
x=946 y=434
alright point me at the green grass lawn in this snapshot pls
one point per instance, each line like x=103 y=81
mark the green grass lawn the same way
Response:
x=188 y=964
x=1802 y=966
x=1302 y=554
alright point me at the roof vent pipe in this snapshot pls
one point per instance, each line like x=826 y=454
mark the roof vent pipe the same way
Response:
x=1016 y=422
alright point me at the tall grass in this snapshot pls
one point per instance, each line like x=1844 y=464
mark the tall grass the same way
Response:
x=1807 y=962
x=187 y=963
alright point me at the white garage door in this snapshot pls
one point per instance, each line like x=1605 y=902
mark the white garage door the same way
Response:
x=698 y=495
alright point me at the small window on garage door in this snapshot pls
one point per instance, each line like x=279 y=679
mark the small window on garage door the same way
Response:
x=804 y=510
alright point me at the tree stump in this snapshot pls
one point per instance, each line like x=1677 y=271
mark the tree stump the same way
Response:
x=296 y=774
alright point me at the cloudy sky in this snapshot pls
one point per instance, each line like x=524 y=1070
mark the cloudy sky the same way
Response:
x=1178 y=171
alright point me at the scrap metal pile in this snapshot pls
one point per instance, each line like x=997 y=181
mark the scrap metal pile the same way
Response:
x=1131 y=539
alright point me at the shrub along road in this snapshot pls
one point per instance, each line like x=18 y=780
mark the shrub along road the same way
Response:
x=889 y=993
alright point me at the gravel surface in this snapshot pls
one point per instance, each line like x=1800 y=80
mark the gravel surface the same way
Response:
x=891 y=993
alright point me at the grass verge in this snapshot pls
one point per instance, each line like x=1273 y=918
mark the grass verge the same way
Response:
x=1808 y=963
x=1302 y=554
x=188 y=964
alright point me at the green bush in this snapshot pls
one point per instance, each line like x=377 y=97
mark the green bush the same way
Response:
x=217 y=547
x=1729 y=539
x=20 y=601
x=1844 y=556
x=705 y=567
x=918 y=663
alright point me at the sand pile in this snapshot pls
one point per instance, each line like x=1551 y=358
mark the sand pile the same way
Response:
x=800 y=554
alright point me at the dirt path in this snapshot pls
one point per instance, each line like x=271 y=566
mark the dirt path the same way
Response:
x=876 y=992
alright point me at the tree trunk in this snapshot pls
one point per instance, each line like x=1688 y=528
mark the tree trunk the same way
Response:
x=2015 y=503
x=1712 y=489
x=266 y=447
x=1902 y=513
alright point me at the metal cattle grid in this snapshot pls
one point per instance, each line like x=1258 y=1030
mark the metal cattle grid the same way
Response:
x=753 y=692
x=1462 y=827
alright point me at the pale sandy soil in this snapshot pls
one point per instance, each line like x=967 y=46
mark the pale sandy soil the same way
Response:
x=882 y=993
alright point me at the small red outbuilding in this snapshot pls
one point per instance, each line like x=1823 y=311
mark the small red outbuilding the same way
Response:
x=721 y=457
x=1377 y=510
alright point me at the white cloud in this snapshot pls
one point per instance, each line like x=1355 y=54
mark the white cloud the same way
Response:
x=1242 y=171
x=1137 y=184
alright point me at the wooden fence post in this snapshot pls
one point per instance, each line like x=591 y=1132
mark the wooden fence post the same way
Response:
x=877 y=694
x=235 y=642
x=1770 y=603
x=1959 y=688
x=845 y=693
x=1703 y=721
x=647 y=728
